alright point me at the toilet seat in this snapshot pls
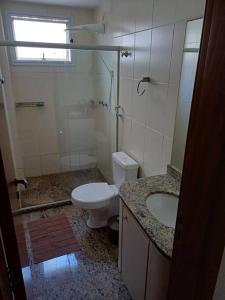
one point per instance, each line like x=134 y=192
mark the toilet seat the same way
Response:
x=93 y=195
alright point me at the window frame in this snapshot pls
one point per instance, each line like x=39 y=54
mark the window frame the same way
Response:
x=11 y=36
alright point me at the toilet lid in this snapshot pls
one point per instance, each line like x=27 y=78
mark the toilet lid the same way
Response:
x=92 y=195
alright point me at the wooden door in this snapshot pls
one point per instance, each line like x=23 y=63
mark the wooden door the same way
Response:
x=199 y=237
x=134 y=256
x=8 y=241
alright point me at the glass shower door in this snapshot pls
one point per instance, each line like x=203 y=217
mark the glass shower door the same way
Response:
x=86 y=121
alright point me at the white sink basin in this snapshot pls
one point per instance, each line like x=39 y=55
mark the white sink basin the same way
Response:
x=163 y=207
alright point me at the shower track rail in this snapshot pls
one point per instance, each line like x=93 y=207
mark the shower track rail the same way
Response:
x=8 y=43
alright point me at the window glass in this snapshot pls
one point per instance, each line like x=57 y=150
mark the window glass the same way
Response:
x=32 y=29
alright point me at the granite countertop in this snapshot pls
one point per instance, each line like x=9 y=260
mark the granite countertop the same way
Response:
x=134 y=195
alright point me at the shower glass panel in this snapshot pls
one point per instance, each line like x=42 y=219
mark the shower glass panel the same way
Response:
x=66 y=122
x=85 y=100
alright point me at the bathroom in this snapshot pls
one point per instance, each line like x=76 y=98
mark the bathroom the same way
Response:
x=89 y=129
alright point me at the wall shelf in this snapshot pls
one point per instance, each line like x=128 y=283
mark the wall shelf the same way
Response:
x=30 y=104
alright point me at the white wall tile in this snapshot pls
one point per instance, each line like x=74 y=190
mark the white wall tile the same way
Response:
x=177 y=52
x=87 y=160
x=81 y=134
x=65 y=162
x=166 y=155
x=125 y=134
x=114 y=24
x=137 y=141
x=74 y=161
x=50 y=164
x=48 y=142
x=144 y=12
x=190 y=9
x=126 y=89
x=142 y=54
x=128 y=12
x=122 y=18
x=153 y=152
x=139 y=103
x=30 y=146
x=32 y=166
x=157 y=109
x=127 y=63
x=170 y=110
x=28 y=122
x=162 y=39
x=156 y=106
x=164 y=12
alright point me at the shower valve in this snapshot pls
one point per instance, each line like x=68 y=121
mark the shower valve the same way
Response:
x=2 y=80
x=126 y=53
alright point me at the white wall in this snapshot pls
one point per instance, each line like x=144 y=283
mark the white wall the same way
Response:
x=153 y=31
x=67 y=92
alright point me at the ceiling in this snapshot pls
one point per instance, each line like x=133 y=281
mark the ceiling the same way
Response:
x=75 y=3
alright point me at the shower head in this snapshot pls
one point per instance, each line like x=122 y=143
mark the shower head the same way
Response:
x=95 y=28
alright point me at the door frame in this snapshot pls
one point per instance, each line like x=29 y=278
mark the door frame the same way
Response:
x=200 y=230
x=9 y=239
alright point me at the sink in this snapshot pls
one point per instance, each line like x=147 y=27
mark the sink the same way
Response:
x=163 y=207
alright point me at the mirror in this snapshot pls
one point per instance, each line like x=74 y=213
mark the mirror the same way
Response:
x=188 y=72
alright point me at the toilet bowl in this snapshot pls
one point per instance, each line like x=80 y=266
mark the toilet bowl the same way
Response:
x=101 y=199
x=96 y=198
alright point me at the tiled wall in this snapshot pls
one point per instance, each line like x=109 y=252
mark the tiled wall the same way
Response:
x=61 y=135
x=154 y=32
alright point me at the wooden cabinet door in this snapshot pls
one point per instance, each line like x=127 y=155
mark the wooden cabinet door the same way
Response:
x=134 y=255
x=158 y=275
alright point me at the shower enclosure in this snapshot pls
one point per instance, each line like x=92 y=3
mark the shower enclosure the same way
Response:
x=66 y=119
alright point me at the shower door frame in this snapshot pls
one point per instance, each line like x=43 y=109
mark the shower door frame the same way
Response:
x=115 y=49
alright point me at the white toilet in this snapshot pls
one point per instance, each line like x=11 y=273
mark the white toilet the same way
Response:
x=101 y=199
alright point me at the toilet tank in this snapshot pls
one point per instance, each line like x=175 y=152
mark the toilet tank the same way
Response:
x=124 y=168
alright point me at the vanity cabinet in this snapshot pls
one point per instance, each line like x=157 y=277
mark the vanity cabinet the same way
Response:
x=134 y=260
x=145 y=271
x=158 y=275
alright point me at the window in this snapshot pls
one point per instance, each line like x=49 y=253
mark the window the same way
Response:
x=39 y=29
